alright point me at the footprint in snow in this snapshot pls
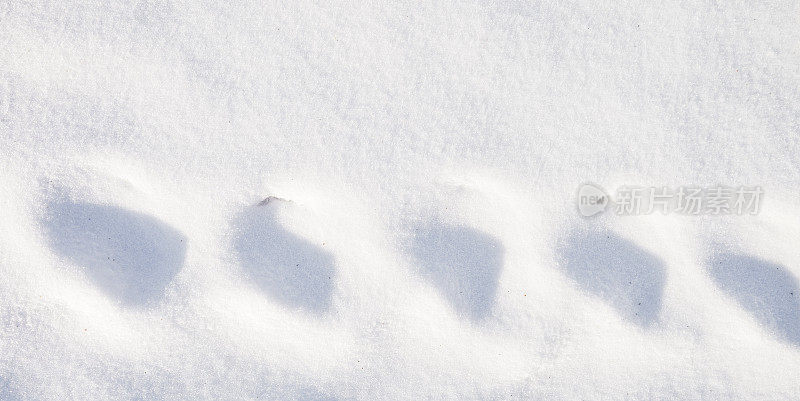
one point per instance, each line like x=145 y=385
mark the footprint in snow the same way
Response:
x=130 y=255
x=463 y=263
x=628 y=277
x=289 y=268
x=766 y=290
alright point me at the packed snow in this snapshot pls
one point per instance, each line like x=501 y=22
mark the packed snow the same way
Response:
x=377 y=200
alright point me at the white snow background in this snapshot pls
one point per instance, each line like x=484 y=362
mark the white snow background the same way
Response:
x=422 y=240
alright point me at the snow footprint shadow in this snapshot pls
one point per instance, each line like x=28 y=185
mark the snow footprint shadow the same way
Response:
x=7 y=391
x=463 y=263
x=291 y=269
x=130 y=255
x=767 y=290
x=628 y=277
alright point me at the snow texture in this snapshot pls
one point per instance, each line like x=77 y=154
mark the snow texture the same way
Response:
x=376 y=200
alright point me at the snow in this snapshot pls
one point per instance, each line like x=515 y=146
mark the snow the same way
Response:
x=422 y=239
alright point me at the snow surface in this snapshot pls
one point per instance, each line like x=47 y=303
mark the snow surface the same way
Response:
x=422 y=240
